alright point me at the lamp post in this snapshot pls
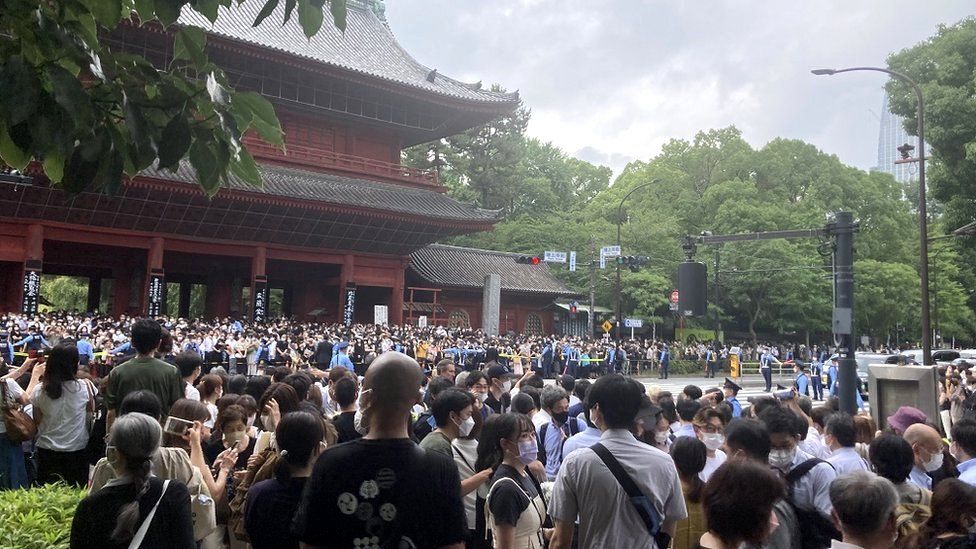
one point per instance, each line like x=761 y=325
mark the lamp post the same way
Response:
x=620 y=219
x=922 y=213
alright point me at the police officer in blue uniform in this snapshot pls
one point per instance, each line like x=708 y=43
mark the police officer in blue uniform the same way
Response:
x=731 y=390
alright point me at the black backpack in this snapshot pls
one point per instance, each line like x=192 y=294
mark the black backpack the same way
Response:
x=573 y=429
x=816 y=532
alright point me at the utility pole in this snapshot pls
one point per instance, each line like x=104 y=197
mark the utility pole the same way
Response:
x=842 y=229
x=589 y=316
x=718 y=321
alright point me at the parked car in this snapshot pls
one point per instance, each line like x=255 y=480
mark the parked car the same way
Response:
x=941 y=357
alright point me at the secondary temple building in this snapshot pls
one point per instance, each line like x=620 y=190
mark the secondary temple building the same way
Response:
x=339 y=226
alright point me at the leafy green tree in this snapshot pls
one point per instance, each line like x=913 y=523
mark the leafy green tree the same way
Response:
x=67 y=293
x=90 y=115
x=885 y=294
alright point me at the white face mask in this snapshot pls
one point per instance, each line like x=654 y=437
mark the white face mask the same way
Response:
x=507 y=385
x=464 y=428
x=934 y=463
x=782 y=459
x=483 y=397
x=713 y=441
x=661 y=437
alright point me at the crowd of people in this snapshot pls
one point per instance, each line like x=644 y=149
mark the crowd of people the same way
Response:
x=246 y=348
x=405 y=449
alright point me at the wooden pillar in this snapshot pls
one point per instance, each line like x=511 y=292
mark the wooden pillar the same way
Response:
x=396 y=301
x=120 y=290
x=259 y=284
x=346 y=277
x=155 y=279
x=219 y=298
x=236 y=287
x=33 y=263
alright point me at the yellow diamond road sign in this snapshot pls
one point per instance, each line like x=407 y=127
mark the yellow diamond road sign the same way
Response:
x=607 y=326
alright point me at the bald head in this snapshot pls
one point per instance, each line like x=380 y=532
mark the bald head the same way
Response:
x=925 y=442
x=394 y=380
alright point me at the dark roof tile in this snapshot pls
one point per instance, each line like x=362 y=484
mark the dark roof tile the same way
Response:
x=456 y=266
x=367 y=46
x=335 y=189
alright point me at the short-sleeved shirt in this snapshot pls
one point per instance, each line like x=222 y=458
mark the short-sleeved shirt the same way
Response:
x=437 y=442
x=144 y=373
x=812 y=490
x=62 y=427
x=506 y=501
x=268 y=510
x=389 y=492
x=847 y=460
x=586 y=488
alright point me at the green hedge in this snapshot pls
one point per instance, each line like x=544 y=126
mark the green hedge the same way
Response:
x=690 y=367
x=39 y=517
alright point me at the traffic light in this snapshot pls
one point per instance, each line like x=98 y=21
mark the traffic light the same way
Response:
x=528 y=259
x=633 y=262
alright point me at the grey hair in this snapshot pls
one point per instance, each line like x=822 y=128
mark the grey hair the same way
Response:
x=459 y=380
x=136 y=436
x=863 y=502
x=551 y=395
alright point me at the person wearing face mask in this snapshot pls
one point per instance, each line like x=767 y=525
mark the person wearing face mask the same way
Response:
x=840 y=436
x=230 y=433
x=927 y=449
x=516 y=509
x=710 y=429
x=477 y=384
x=591 y=435
x=499 y=398
x=560 y=427
x=135 y=501
x=270 y=504
x=807 y=477
x=452 y=412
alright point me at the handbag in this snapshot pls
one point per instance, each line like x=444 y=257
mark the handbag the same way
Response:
x=642 y=504
x=144 y=527
x=204 y=514
x=90 y=409
x=20 y=426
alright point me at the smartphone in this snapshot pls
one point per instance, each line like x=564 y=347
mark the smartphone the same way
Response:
x=177 y=426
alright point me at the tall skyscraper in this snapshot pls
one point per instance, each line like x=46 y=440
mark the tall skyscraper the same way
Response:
x=891 y=136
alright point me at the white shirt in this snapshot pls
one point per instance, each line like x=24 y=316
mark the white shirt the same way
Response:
x=812 y=490
x=584 y=439
x=585 y=487
x=13 y=393
x=685 y=431
x=62 y=427
x=847 y=460
x=191 y=392
x=711 y=464
x=540 y=418
x=814 y=445
x=465 y=455
x=834 y=544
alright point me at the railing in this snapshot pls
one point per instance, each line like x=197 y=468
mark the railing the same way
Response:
x=355 y=165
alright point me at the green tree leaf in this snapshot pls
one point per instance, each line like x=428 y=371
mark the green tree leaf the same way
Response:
x=12 y=154
x=245 y=168
x=189 y=44
x=175 y=141
x=204 y=160
x=257 y=112
x=54 y=166
x=310 y=17
x=108 y=13
x=338 y=10
x=267 y=10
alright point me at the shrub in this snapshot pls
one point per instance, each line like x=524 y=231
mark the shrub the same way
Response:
x=39 y=517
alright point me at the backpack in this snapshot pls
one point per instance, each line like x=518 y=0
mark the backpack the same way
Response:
x=816 y=532
x=573 y=429
x=910 y=518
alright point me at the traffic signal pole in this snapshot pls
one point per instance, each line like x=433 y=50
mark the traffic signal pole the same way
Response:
x=841 y=229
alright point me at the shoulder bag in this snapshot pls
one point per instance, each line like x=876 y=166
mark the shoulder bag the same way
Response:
x=144 y=527
x=20 y=426
x=642 y=504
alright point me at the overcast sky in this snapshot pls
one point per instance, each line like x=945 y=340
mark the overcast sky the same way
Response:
x=612 y=80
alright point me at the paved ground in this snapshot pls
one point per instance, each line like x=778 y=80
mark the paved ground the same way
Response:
x=751 y=385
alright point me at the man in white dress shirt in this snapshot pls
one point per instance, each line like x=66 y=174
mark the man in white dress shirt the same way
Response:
x=927 y=447
x=841 y=436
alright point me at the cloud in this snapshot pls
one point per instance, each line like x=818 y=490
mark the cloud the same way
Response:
x=619 y=79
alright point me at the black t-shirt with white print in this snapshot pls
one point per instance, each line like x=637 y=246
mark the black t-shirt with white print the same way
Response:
x=372 y=494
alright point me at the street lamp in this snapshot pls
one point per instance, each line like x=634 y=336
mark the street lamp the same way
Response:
x=922 y=213
x=620 y=216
